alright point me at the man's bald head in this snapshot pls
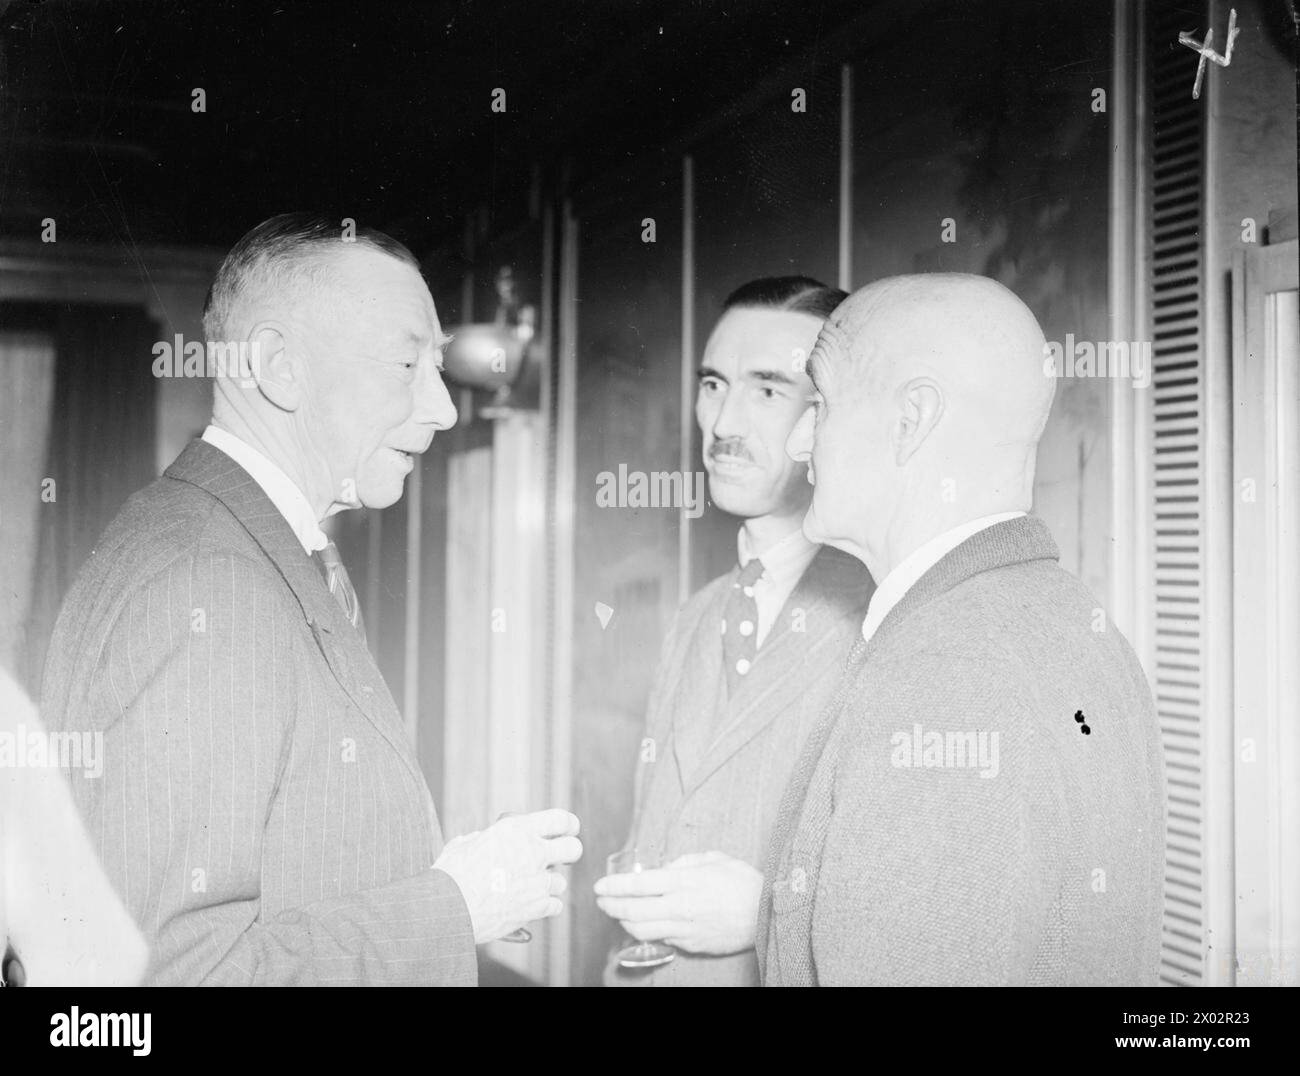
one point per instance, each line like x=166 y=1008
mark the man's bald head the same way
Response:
x=933 y=398
x=974 y=336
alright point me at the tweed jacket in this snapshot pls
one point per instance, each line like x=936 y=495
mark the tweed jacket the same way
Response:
x=949 y=821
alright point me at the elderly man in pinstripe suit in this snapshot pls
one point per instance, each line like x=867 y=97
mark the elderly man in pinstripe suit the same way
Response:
x=749 y=661
x=261 y=813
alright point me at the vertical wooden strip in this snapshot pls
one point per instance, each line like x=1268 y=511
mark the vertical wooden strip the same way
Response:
x=845 y=277
x=1218 y=774
x=516 y=649
x=465 y=774
x=687 y=399
x=545 y=941
x=561 y=792
x=1129 y=597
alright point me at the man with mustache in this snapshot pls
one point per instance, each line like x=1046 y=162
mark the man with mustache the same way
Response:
x=261 y=812
x=749 y=661
x=982 y=803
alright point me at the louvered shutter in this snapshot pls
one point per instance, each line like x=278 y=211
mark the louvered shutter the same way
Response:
x=1175 y=293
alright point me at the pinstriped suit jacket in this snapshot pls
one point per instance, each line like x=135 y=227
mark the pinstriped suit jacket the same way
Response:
x=260 y=811
x=713 y=769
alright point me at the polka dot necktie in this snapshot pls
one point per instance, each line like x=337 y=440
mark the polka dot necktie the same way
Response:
x=336 y=576
x=740 y=626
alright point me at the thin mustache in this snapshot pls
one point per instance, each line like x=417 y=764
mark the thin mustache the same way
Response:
x=730 y=448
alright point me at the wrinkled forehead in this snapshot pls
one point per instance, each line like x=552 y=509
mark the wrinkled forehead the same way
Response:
x=869 y=333
x=838 y=356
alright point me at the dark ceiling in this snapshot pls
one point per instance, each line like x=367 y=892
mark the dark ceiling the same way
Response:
x=379 y=111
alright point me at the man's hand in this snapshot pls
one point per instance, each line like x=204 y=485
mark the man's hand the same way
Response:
x=705 y=902
x=504 y=872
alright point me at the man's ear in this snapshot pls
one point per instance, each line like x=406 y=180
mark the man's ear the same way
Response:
x=920 y=406
x=278 y=374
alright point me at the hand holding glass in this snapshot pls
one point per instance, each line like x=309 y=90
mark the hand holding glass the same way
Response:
x=646 y=954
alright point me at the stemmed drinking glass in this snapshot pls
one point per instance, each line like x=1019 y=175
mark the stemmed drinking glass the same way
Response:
x=635 y=954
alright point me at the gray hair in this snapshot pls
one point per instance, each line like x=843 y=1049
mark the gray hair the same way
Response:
x=288 y=252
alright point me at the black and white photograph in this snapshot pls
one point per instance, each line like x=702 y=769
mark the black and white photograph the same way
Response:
x=622 y=494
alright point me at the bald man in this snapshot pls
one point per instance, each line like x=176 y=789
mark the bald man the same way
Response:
x=261 y=811
x=981 y=803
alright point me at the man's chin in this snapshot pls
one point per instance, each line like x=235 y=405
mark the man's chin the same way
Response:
x=382 y=494
x=737 y=499
x=817 y=532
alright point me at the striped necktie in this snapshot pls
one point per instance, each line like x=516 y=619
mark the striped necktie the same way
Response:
x=336 y=576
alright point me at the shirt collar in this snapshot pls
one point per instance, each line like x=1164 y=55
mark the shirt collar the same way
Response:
x=278 y=486
x=784 y=561
x=899 y=581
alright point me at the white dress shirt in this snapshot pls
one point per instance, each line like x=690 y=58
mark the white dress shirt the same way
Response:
x=278 y=486
x=784 y=563
x=898 y=582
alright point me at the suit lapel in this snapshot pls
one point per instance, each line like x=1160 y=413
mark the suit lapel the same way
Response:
x=833 y=589
x=701 y=686
x=213 y=471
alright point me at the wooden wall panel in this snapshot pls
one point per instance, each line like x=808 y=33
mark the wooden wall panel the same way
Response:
x=766 y=204
x=628 y=413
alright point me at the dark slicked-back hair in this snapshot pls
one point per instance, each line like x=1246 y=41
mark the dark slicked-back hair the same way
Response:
x=800 y=294
x=290 y=252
